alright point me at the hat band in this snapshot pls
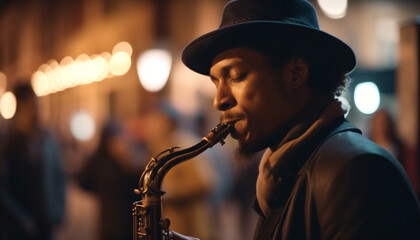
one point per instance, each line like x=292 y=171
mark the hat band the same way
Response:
x=256 y=18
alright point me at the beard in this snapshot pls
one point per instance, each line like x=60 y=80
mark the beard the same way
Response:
x=244 y=152
x=248 y=151
x=246 y=158
x=247 y=154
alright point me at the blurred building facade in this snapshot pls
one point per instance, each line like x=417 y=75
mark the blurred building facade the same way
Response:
x=35 y=32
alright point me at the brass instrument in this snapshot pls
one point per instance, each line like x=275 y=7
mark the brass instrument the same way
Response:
x=147 y=213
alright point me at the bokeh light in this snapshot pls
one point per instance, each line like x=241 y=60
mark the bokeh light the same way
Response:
x=82 y=126
x=123 y=47
x=40 y=83
x=7 y=105
x=102 y=67
x=56 y=76
x=367 y=97
x=333 y=8
x=120 y=63
x=153 y=68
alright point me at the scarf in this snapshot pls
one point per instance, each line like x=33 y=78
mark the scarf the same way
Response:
x=279 y=167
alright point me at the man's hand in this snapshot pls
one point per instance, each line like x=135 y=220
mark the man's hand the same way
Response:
x=176 y=236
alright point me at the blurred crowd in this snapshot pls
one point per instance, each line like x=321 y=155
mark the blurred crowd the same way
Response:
x=207 y=197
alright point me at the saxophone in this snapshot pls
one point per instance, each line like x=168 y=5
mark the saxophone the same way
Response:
x=148 y=223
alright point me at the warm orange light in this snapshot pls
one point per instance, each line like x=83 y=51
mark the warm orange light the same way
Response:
x=102 y=67
x=8 y=105
x=53 y=76
x=107 y=56
x=120 y=63
x=123 y=47
x=40 y=83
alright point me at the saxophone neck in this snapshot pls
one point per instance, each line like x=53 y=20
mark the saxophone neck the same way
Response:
x=152 y=178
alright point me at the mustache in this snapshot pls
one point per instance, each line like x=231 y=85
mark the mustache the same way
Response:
x=230 y=117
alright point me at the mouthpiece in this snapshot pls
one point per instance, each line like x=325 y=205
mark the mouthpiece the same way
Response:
x=218 y=134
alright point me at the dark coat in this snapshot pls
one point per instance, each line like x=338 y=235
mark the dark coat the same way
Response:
x=349 y=188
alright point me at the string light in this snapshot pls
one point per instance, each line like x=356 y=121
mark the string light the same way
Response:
x=52 y=76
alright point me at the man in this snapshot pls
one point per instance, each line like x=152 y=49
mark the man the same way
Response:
x=277 y=78
x=32 y=176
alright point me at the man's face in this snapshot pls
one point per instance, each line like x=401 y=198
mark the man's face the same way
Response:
x=26 y=117
x=254 y=95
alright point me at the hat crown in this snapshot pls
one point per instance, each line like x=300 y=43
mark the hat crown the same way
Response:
x=298 y=12
x=250 y=21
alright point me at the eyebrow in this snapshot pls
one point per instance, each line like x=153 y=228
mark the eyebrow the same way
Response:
x=226 y=69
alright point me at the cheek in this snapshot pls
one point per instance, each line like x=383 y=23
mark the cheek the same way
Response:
x=250 y=101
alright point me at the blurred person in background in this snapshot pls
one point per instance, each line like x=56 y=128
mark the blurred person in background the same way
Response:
x=384 y=133
x=33 y=179
x=189 y=186
x=111 y=176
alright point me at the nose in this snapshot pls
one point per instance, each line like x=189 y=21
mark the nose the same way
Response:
x=224 y=98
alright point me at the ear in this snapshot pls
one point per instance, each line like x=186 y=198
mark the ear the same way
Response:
x=298 y=72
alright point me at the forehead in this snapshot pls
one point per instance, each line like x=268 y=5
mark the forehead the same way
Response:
x=237 y=56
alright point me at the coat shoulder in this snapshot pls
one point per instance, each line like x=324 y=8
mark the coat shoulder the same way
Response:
x=347 y=147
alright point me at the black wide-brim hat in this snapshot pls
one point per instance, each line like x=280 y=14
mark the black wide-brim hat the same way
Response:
x=249 y=21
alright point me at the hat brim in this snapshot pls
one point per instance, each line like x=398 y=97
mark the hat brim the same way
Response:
x=199 y=53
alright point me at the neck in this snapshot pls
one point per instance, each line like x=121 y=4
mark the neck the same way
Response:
x=302 y=120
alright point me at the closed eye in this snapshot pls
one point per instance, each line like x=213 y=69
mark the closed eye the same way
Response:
x=239 y=78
